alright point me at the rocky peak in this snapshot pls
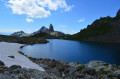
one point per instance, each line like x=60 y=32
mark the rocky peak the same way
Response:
x=51 y=28
x=43 y=28
x=118 y=13
x=19 y=34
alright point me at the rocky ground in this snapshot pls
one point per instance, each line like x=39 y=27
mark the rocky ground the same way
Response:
x=62 y=70
x=92 y=70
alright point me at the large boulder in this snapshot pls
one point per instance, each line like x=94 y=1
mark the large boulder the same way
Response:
x=89 y=71
x=98 y=65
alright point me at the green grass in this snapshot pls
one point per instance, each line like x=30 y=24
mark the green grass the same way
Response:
x=103 y=72
x=80 y=68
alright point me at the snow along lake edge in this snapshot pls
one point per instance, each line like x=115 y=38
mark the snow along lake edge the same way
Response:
x=11 y=49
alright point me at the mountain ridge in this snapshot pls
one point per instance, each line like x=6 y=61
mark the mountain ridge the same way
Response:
x=43 y=29
x=105 y=29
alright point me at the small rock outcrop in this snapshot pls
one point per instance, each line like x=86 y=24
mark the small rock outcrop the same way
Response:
x=20 y=34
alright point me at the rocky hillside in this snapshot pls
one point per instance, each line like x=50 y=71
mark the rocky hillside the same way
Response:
x=20 y=34
x=105 y=29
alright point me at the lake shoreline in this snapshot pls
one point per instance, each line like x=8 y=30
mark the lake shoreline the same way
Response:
x=74 y=51
x=75 y=70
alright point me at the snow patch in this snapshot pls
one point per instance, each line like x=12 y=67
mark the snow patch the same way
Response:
x=11 y=49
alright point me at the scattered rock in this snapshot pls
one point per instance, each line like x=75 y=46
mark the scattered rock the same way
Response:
x=117 y=72
x=61 y=70
x=15 y=66
x=11 y=56
x=72 y=70
x=74 y=64
x=89 y=71
x=112 y=75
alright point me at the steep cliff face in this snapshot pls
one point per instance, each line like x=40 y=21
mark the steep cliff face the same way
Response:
x=105 y=29
x=20 y=34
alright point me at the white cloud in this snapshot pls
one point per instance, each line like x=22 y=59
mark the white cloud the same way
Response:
x=37 y=8
x=67 y=31
x=69 y=8
x=81 y=20
x=62 y=26
x=29 y=20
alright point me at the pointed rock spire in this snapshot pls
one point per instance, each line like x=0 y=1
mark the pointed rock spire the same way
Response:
x=51 y=28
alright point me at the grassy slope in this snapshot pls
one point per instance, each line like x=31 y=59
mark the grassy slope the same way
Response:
x=97 y=28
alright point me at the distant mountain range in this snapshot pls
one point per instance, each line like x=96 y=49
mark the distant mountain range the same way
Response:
x=105 y=29
x=49 y=31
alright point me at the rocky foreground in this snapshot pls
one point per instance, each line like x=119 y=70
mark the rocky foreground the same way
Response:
x=14 y=65
x=61 y=70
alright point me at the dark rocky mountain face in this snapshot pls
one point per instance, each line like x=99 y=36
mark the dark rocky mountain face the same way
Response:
x=118 y=13
x=51 y=28
x=49 y=31
x=106 y=29
x=42 y=30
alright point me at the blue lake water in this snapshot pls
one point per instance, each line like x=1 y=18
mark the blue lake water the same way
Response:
x=75 y=51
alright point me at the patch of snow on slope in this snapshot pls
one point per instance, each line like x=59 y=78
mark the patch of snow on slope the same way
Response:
x=11 y=49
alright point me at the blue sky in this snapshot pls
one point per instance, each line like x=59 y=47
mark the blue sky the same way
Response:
x=68 y=16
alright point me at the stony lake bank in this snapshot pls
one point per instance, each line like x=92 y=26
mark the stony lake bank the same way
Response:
x=61 y=70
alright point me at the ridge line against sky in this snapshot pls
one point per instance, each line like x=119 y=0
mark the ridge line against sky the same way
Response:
x=68 y=16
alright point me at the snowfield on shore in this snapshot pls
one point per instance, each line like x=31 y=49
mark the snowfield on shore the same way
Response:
x=11 y=49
